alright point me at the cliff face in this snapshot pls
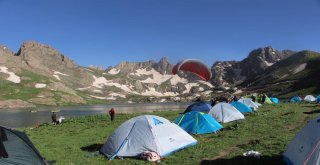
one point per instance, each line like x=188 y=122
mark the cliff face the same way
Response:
x=228 y=74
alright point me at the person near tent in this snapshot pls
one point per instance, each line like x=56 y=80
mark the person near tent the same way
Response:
x=112 y=113
x=235 y=98
x=253 y=98
x=214 y=102
x=54 y=118
x=263 y=98
x=3 y=137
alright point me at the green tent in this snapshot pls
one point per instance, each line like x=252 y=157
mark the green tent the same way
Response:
x=259 y=98
x=16 y=148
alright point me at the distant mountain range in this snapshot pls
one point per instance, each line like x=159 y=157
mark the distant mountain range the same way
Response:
x=39 y=74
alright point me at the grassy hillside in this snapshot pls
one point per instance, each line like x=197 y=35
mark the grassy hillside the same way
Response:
x=268 y=131
x=26 y=90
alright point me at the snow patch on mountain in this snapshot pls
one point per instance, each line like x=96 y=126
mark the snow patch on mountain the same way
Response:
x=97 y=91
x=157 y=78
x=189 y=86
x=117 y=95
x=12 y=76
x=102 y=81
x=206 y=83
x=98 y=97
x=153 y=92
x=114 y=71
x=299 y=68
x=40 y=85
x=56 y=74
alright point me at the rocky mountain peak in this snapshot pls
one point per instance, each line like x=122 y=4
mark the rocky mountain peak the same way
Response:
x=43 y=57
x=268 y=54
x=233 y=72
x=4 y=50
x=163 y=66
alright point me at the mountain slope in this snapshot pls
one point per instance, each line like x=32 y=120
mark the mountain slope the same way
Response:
x=298 y=74
x=40 y=74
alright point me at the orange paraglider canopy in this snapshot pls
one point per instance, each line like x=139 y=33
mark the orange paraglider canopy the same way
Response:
x=194 y=66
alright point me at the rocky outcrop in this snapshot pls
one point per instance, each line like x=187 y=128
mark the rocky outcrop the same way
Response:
x=231 y=73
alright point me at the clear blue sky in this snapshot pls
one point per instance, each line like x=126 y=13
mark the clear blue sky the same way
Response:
x=106 y=32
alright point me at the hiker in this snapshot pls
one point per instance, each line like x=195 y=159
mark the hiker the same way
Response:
x=54 y=118
x=112 y=113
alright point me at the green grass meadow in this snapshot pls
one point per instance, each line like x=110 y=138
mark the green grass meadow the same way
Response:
x=268 y=131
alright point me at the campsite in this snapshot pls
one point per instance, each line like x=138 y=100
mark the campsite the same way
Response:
x=267 y=131
x=159 y=82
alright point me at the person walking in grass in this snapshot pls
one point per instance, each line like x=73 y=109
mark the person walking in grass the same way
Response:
x=112 y=113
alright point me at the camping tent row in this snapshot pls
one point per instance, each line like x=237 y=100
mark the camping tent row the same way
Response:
x=195 y=119
x=267 y=100
x=163 y=137
x=308 y=98
x=16 y=148
x=224 y=112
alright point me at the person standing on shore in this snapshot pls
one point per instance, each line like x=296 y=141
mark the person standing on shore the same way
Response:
x=112 y=113
x=54 y=118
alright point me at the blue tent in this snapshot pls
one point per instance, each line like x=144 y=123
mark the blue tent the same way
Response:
x=318 y=99
x=241 y=107
x=295 y=99
x=199 y=107
x=275 y=100
x=198 y=123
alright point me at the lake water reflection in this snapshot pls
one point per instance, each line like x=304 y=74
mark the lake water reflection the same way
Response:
x=16 y=118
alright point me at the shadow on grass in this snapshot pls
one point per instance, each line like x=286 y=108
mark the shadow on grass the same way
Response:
x=312 y=112
x=92 y=147
x=267 y=160
x=310 y=105
x=51 y=162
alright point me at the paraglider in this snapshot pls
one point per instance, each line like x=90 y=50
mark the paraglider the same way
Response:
x=194 y=66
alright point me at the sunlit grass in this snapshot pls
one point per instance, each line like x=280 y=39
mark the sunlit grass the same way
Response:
x=268 y=131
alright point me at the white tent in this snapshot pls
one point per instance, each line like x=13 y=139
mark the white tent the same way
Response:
x=305 y=147
x=146 y=133
x=224 y=112
x=309 y=98
x=249 y=103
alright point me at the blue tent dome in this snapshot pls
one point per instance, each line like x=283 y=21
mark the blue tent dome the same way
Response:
x=198 y=123
x=296 y=99
x=199 y=107
x=318 y=99
x=241 y=107
x=275 y=100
